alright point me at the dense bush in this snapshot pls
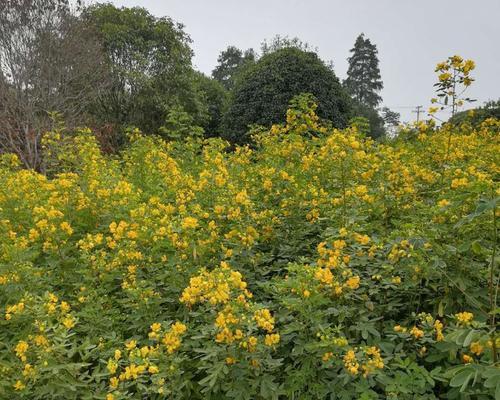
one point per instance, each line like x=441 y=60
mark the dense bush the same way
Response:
x=316 y=265
x=261 y=95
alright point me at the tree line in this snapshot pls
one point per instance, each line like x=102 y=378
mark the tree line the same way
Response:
x=115 y=69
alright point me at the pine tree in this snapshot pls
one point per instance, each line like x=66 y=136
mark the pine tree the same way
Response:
x=363 y=76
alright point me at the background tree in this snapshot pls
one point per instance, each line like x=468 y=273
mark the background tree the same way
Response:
x=49 y=61
x=150 y=60
x=475 y=116
x=180 y=125
x=363 y=75
x=376 y=127
x=262 y=94
x=391 y=119
x=216 y=98
x=231 y=63
x=279 y=42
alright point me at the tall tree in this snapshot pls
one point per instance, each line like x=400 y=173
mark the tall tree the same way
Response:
x=231 y=63
x=150 y=59
x=49 y=61
x=363 y=75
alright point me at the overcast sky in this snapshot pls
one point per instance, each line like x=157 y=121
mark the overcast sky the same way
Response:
x=411 y=36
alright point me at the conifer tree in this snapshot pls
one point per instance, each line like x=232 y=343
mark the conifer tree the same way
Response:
x=363 y=75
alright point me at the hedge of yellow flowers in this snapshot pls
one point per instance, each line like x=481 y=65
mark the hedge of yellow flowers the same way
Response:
x=314 y=264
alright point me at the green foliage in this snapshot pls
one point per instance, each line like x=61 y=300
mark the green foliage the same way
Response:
x=150 y=61
x=476 y=116
x=216 y=98
x=283 y=42
x=262 y=94
x=361 y=124
x=179 y=125
x=317 y=264
x=363 y=81
x=375 y=128
x=231 y=63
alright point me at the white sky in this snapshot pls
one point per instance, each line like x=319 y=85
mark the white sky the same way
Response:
x=411 y=36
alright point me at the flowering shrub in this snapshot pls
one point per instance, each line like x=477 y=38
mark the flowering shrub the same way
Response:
x=316 y=264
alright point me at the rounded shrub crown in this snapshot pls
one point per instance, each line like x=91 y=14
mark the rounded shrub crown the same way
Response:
x=262 y=94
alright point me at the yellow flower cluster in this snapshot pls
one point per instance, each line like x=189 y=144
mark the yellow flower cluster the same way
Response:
x=370 y=358
x=215 y=286
x=464 y=318
x=264 y=319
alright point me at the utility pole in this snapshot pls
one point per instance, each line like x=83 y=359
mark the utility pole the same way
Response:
x=418 y=111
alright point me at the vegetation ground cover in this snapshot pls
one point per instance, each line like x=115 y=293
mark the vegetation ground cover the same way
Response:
x=315 y=263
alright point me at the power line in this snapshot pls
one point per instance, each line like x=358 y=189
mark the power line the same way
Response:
x=418 y=111
x=400 y=106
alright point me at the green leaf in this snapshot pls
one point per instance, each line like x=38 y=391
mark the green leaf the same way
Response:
x=462 y=379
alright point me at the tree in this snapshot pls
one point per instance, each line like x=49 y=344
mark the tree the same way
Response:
x=363 y=75
x=49 y=61
x=216 y=98
x=231 y=63
x=476 y=116
x=391 y=119
x=282 y=42
x=262 y=94
x=376 y=122
x=179 y=125
x=150 y=59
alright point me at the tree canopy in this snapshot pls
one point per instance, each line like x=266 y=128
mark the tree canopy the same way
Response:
x=363 y=75
x=262 y=94
x=231 y=63
x=150 y=60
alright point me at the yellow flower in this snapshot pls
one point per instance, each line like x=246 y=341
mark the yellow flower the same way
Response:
x=444 y=76
x=272 y=339
x=66 y=228
x=178 y=328
x=68 y=322
x=21 y=348
x=264 y=319
x=131 y=345
x=65 y=307
x=443 y=203
x=464 y=318
x=351 y=363
x=476 y=348
x=467 y=359
x=353 y=282
x=189 y=223
x=114 y=382
x=153 y=369
x=112 y=366
x=19 y=385
x=416 y=333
